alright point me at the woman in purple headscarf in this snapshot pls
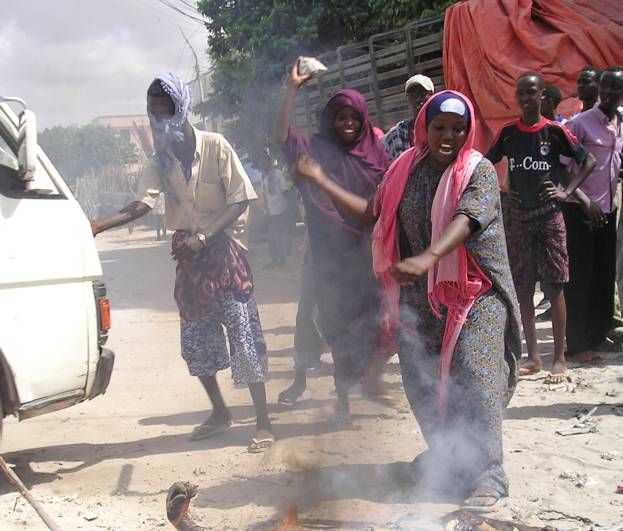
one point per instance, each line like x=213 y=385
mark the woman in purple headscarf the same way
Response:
x=347 y=292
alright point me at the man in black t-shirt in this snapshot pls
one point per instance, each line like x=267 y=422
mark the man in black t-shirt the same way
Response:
x=536 y=233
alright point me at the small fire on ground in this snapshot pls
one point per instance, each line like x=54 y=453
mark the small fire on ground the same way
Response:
x=290 y=520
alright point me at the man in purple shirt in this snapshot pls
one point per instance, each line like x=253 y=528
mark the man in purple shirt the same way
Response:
x=591 y=223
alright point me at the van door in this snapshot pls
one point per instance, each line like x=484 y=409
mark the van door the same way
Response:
x=48 y=260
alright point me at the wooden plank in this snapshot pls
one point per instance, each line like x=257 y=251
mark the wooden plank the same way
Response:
x=349 y=72
x=363 y=57
x=427 y=39
x=425 y=50
x=391 y=50
x=398 y=72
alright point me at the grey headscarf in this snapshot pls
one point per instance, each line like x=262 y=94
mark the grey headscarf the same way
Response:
x=168 y=131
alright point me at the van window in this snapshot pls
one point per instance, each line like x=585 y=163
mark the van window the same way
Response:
x=12 y=186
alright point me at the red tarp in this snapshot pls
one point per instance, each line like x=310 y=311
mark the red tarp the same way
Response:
x=488 y=43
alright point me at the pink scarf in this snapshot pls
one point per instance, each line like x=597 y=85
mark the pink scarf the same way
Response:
x=455 y=281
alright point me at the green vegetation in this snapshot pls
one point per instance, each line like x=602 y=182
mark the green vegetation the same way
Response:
x=250 y=41
x=85 y=151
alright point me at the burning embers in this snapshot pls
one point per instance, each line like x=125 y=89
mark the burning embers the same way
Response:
x=290 y=520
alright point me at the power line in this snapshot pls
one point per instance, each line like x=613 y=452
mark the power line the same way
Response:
x=182 y=12
x=191 y=6
x=159 y=11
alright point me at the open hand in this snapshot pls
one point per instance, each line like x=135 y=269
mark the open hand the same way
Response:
x=550 y=192
x=296 y=80
x=307 y=168
x=191 y=246
x=593 y=213
x=407 y=271
x=95 y=227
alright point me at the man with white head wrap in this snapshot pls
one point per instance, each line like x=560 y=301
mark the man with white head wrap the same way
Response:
x=207 y=194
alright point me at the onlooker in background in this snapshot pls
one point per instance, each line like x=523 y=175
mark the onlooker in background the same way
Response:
x=274 y=187
x=587 y=86
x=158 y=214
x=551 y=100
x=536 y=234
x=591 y=223
x=399 y=138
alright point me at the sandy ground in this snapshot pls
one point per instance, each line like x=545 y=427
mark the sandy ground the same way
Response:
x=108 y=463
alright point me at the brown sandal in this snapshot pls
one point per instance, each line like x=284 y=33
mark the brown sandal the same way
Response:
x=483 y=499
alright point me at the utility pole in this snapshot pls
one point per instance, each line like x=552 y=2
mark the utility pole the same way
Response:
x=198 y=74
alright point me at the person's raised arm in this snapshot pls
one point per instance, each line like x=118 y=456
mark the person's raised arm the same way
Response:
x=295 y=80
x=354 y=205
x=129 y=213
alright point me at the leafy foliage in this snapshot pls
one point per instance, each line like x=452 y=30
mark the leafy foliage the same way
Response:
x=87 y=150
x=250 y=41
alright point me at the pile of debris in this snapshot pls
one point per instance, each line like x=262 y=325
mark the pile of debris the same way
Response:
x=466 y=521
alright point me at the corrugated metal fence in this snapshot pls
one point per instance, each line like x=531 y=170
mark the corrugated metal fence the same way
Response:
x=378 y=69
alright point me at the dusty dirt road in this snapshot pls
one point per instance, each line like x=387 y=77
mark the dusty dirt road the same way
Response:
x=107 y=464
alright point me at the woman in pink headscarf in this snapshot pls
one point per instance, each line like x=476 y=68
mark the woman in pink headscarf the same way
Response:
x=440 y=254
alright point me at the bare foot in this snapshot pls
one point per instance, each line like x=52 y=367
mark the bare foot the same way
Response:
x=530 y=367
x=558 y=374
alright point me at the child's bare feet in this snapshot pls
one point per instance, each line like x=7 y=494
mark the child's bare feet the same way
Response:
x=558 y=374
x=530 y=367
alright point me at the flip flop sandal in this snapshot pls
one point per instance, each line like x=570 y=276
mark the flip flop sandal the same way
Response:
x=482 y=500
x=262 y=441
x=209 y=430
x=288 y=399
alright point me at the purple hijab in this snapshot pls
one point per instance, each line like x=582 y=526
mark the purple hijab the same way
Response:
x=357 y=167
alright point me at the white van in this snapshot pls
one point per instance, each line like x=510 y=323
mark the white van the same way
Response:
x=54 y=314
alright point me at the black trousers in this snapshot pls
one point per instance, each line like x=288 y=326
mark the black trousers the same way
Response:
x=308 y=342
x=589 y=294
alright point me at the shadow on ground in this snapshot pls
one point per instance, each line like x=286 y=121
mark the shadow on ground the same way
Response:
x=88 y=454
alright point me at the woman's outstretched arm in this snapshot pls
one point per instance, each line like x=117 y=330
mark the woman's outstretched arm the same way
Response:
x=354 y=205
x=456 y=233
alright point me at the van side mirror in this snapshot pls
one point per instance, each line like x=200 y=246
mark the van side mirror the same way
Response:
x=27 y=145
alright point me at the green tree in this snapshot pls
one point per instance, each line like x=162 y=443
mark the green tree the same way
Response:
x=251 y=41
x=87 y=150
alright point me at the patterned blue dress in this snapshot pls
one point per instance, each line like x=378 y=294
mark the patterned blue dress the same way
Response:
x=484 y=365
